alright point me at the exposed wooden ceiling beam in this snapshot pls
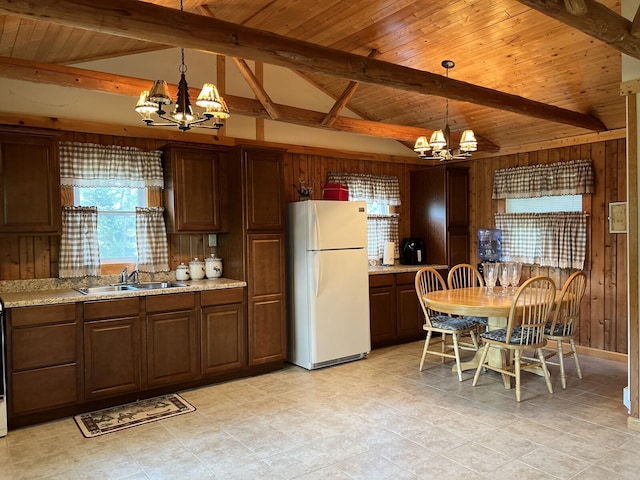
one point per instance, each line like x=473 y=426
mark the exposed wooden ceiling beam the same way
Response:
x=598 y=21
x=118 y=84
x=342 y=101
x=635 y=25
x=147 y=22
x=258 y=90
x=576 y=7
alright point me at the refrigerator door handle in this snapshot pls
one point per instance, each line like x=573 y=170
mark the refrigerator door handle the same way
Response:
x=318 y=270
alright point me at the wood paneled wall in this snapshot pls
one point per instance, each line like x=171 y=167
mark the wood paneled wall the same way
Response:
x=604 y=312
x=604 y=308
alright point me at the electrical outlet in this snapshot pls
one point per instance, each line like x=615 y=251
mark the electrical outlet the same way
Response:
x=213 y=240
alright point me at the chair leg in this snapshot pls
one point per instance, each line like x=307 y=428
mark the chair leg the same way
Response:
x=547 y=377
x=424 y=351
x=575 y=357
x=563 y=375
x=443 y=346
x=483 y=358
x=456 y=351
x=518 y=354
x=474 y=339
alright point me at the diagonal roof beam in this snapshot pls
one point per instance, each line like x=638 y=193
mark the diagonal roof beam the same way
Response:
x=121 y=85
x=147 y=22
x=598 y=21
x=342 y=101
x=258 y=90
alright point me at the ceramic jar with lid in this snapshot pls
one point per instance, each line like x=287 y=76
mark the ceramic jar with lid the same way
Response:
x=213 y=267
x=196 y=269
x=182 y=272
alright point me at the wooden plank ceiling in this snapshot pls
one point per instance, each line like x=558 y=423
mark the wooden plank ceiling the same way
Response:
x=501 y=45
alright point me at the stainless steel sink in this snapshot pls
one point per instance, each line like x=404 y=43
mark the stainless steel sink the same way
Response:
x=104 y=289
x=155 y=285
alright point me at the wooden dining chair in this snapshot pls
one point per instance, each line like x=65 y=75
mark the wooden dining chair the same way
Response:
x=529 y=313
x=465 y=275
x=429 y=280
x=564 y=324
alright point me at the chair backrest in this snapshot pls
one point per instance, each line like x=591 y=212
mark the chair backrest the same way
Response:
x=567 y=311
x=531 y=309
x=428 y=280
x=464 y=275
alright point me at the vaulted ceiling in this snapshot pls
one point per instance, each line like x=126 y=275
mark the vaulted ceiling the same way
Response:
x=521 y=76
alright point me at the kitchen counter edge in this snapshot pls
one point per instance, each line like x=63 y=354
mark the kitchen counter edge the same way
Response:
x=58 y=296
x=388 y=269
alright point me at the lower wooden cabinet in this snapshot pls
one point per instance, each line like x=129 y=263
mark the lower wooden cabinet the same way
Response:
x=61 y=357
x=43 y=350
x=395 y=314
x=111 y=348
x=267 y=304
x=171 y=339
x=223 y=341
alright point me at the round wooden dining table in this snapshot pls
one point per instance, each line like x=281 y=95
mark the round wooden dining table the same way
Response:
x=477 y=302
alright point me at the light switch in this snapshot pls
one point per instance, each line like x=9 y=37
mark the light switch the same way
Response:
x=213 y=240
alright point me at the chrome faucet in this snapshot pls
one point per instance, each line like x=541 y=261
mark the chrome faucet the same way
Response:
x=125 y=276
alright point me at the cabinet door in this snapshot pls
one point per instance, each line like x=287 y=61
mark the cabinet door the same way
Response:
x=112 y=357
x=410 y=319
x=382 y=308
x=192 y=193
x=266 y=291
x=29 y=184
x=264 y=189
x=224 y=339
x=171 y=347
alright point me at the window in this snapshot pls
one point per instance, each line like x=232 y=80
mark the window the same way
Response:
x=116 y=220
x=556 y=203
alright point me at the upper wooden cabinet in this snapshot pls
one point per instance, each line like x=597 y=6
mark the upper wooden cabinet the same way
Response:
x=263 y=180
x=29 y=183
x=440 y=213
x=195 y=192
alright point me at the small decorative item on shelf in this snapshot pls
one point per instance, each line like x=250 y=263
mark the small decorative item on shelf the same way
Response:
x=304 y=188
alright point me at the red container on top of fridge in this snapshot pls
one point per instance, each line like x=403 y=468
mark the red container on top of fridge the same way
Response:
x=335 y=191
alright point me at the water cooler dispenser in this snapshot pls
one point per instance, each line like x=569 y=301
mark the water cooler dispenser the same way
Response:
x=489 y=246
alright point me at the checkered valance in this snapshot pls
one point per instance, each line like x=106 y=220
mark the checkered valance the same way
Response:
x=382 y=189
x=556 y=240
x=574 y=177
x=91 y=165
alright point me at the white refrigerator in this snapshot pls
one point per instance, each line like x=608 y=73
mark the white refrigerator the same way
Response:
x=328 y=283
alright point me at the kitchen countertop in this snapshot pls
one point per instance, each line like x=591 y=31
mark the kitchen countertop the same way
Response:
x=383 y=269
x=69 y=295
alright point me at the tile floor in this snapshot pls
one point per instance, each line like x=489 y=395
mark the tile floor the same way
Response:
x=377 y=418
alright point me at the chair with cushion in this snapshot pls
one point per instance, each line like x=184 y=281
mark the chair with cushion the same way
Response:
x=564 y=325
x=429 y=280
x=465 y=275
x=529 y=313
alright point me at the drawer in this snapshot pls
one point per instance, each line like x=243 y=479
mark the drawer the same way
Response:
x=384 y=280
x=171 y=301
x=42 y=315
x=408 y=278
x=43 y=388
x=221 y=297
x=125 y=307
x=43 y=346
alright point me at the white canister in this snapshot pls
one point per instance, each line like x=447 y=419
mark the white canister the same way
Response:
x=196 y=269
x=213 y=267
x=182 y=272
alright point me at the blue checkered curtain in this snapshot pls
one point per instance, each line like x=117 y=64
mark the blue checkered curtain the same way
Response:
x=79 y=250
x=573 y=177
x=151 y=239
x=556 y=240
